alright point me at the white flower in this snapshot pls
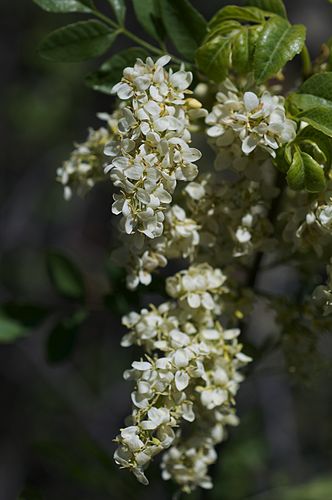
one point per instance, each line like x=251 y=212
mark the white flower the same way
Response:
x=255 y=120
x=152 y=152
x=85 y=167
x=156 y=417
x=191 y=366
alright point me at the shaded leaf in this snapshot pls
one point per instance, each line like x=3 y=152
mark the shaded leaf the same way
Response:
x=27 y=314
x=279 y=42
x=61 y=341
x=10 y=330
x=64 y=6
x=185 y=26
x=77 y=42
x=111 y=71
x=119 y=9
x=275 y=6
x=65 y=276
x=305 y=173
x=148 y=14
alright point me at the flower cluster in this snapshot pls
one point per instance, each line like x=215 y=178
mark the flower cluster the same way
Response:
x=191 y=366
x=254 y=120
x=323 y=294
x=230 y=226
x=85 y=167
x=187 y=461
x=152 y=152
x=308 y=223
x=187 y=379
x=142 y=256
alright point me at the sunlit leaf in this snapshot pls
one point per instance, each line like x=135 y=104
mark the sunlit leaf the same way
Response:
x=275 y=6
x=305 y=173
x=64 y=6
x=233 y=12
x=319 y=117
x=279 y=42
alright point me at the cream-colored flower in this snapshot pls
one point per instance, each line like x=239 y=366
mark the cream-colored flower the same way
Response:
x=257 y=120
x=192 y=363
x=153 y=151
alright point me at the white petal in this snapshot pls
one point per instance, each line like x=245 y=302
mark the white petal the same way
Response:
x=194 y=300
x=251 y=101
x=141 y=365
x=181 y=380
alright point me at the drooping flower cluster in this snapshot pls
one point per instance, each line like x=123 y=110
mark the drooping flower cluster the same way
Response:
x=241 y=122
x=152 y=152
x=191 y=367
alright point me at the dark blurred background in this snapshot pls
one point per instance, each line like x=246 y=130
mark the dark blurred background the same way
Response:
x=59 y=413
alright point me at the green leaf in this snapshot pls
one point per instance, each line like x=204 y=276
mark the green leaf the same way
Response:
x=307 y=101
x=305 y=173
x=243 y=47
x=315 y=143
x=111 y=71
x=61 y=341
x=64 y=6
x=185 y=26
x=10 y=330
x=213 y=58
x=231 y=46
x=65 y=276
x=314 y=92
x=119 y=9
x=148 y=14
x=27 y=314
x=77 y=42
x=319 y=117
x=233 y=12
x=319 y=85
x=278 y=43
x=275 y=6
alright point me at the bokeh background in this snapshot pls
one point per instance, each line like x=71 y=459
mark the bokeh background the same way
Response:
x=61 y=405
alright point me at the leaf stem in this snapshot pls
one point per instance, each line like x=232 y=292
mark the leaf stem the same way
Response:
x=306 y=62
x=148 y=46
